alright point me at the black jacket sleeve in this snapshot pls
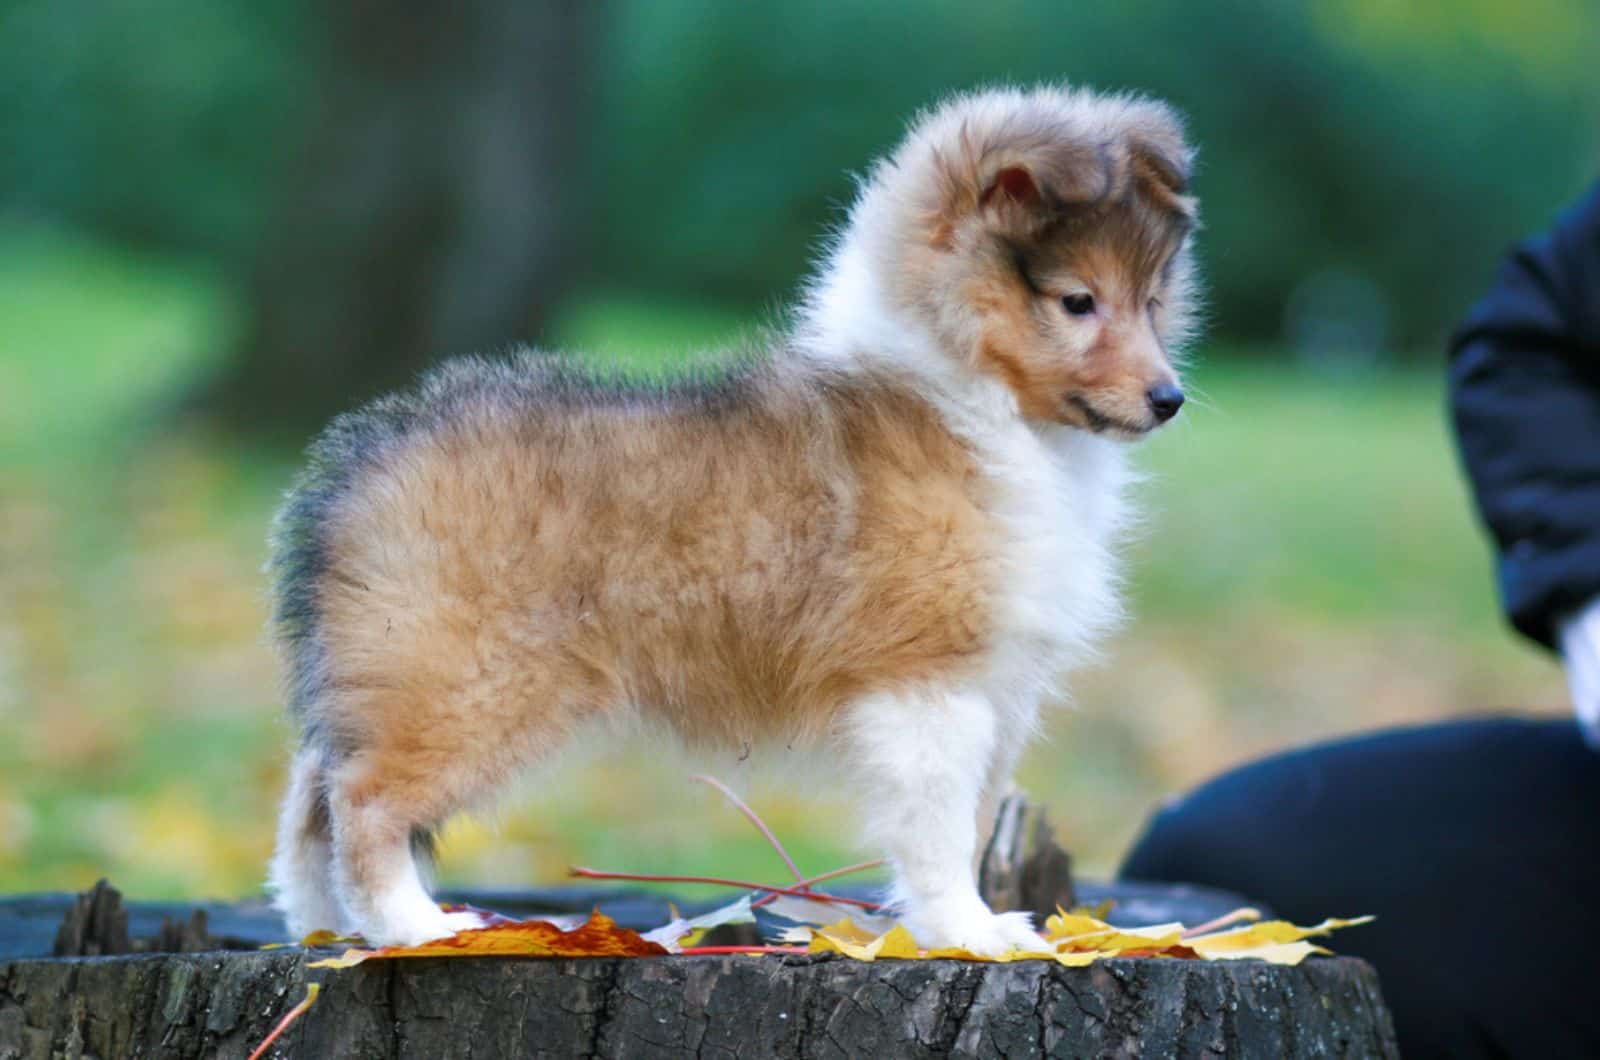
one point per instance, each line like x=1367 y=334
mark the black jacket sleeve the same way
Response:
x=1525 y=392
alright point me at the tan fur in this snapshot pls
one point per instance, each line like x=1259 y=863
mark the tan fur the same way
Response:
x=742 y=577
x=471 y=573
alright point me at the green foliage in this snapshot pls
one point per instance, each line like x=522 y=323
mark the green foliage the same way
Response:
x=92 y=337
x=1402 y=144
x=157 y=121
x=1407 y=150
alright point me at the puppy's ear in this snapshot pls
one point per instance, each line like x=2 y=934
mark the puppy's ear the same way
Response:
x=1021 y=197
x=1161 y=164
x=1012 y=200
x=1015 y=184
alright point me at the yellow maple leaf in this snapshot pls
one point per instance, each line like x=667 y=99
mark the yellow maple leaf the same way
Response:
x=1081 y=940
x=844 y=937
x=1077 y=932
x=898 y=944
x=1066 y=925
x=1272 y=940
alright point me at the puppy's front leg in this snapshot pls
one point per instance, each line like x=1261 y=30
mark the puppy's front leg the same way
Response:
x=1014 y=732
x=923 y=759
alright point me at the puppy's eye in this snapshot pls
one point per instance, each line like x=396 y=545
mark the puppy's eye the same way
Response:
x=1078 y=305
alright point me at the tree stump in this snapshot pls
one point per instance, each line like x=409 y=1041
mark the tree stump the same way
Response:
x=1023 y=867
x=223 y=1004
x=160 y=998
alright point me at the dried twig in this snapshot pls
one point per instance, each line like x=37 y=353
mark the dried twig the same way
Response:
x=755 y=819
x=1222 y=921
x=599 y=874
x=860 y=866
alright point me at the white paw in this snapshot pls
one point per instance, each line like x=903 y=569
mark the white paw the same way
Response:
x=464 y=921
x=421 y=923
x=978 y=931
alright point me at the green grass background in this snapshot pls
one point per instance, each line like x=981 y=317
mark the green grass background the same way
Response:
x=1309 y=566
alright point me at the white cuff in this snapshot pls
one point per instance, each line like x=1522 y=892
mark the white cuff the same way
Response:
x=1580 y=649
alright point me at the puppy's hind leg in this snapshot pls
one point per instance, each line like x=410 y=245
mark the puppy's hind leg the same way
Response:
x=380 y=803
x=924 y=759
x=301 y=875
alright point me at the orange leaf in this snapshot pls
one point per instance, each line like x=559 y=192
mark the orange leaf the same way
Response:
x=598 y=937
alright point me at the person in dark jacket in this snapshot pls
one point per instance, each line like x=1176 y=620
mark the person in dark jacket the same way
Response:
x=1475 y=842
x=1525 y=387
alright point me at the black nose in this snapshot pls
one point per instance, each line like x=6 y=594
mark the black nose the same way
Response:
x=1165 y=401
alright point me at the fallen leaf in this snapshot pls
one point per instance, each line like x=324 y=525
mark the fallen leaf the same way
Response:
x=897 y=943
x=808 y=911
x=1100 y=910
x=1080 y=939
x=844 y=937
x=679 y=932
x=324 y=937
x=1274 y=940
x=599 y=936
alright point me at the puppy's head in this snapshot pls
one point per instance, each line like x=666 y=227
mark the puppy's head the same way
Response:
x=1044 y=240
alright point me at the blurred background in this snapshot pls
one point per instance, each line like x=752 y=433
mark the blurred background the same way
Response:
x=222 y=222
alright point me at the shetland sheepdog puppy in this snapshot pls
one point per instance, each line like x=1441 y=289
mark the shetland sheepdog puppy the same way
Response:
x=890 y=530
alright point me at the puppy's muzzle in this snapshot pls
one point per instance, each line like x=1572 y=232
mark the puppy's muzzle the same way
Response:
x=1165 y=401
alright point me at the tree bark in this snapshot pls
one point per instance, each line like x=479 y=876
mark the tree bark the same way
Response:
x=1023 y=867
x=224 y=1004
x=432 y=210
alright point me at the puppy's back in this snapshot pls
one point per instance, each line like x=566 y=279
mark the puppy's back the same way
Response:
x=515 y=547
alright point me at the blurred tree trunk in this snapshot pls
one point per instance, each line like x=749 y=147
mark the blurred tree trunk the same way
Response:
x=432 y=210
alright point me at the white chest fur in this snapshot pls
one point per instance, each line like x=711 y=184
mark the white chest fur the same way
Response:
x=1060 y=496
x=1060 y=492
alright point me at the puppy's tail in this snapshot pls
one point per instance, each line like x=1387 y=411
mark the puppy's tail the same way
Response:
x=301 y=874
